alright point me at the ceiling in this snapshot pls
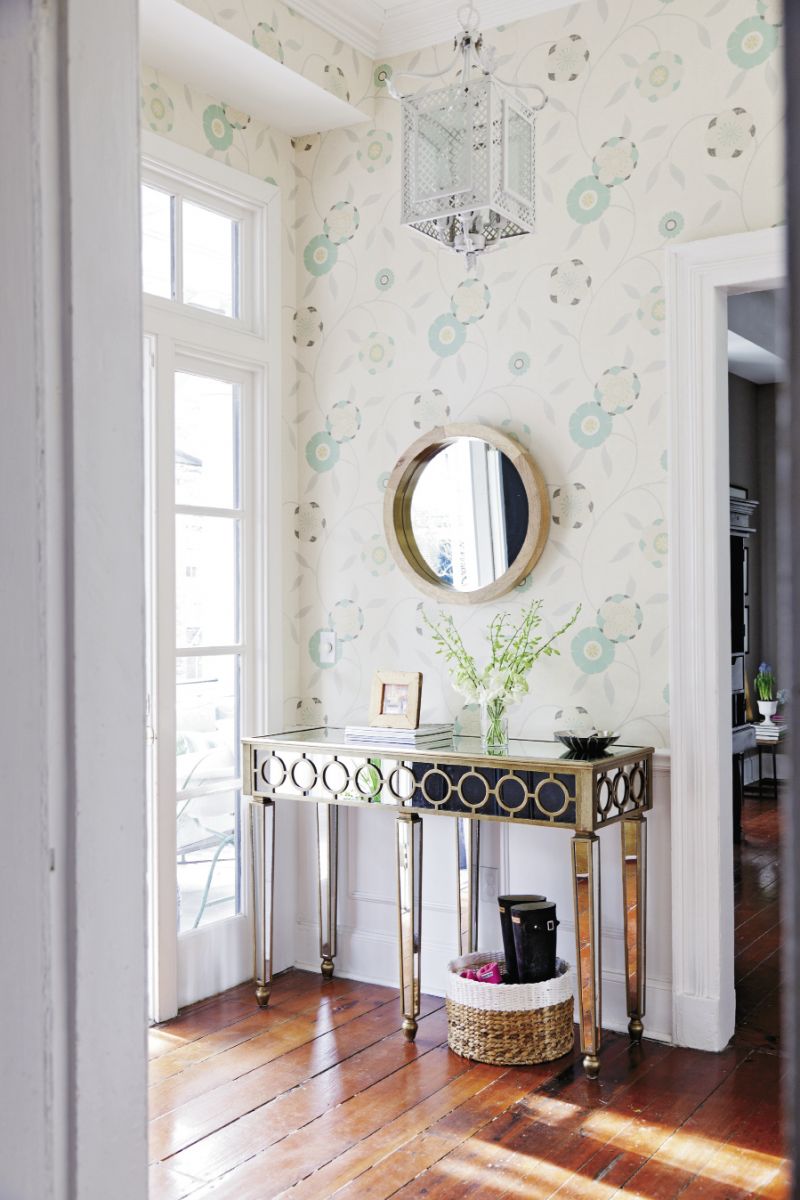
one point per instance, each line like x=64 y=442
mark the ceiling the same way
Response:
x=754 y=336
x=383 y=28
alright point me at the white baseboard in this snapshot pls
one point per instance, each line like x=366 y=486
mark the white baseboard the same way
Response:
x=371 y=957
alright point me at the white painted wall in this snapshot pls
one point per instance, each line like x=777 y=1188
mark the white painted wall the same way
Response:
x=72 y=1045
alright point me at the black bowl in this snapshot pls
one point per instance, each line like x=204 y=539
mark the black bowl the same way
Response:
x=587 y=745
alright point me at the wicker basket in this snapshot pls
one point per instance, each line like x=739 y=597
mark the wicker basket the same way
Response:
x=513 y=1023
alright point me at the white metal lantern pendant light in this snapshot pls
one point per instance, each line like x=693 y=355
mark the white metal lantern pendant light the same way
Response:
x=468 y=151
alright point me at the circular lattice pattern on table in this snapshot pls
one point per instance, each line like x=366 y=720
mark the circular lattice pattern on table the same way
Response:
x=540 y=797
x=509 y=784
x=344 y=776
x=369 y=780
x=401 y=782
x=638 y=784
x=309 y=771
x=427 y=778
x=621 y=790
x=466 y=785
x=604 y=795
x=267 y=771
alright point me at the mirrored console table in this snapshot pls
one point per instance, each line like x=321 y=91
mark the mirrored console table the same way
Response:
x=535 y=783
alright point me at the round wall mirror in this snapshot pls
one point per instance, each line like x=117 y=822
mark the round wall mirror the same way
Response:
x=466 y=513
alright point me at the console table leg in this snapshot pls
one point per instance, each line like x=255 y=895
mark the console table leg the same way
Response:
x=327 y=866
x=468 y=833
x=586 y=898
x=262 y=844
x=634 y=892
x=409 y=899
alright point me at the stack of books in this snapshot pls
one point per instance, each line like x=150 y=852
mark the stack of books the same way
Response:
x=767 y=733
x=429 y=737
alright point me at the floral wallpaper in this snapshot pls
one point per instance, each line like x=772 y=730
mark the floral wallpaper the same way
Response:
x=663 y=124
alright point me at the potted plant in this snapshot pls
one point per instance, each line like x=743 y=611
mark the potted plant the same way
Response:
x=765 y=690
x=512 y=652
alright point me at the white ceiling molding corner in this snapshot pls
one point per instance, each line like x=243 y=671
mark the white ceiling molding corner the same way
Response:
x=387 y=28
x=200 y=53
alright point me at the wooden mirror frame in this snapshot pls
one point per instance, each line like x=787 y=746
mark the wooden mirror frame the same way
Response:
x=397 y=513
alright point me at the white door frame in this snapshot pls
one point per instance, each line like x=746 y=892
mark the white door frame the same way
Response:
x=699 y=278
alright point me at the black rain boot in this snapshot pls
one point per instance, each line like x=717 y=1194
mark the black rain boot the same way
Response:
x=535 y=928
x=504 y=904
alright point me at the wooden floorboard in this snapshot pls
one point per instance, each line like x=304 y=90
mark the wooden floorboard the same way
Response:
x=320 y=1096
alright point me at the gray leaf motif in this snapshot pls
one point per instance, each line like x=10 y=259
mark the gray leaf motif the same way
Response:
x=608 y=688
x=712 y=212
x=704 y=36
x=720 y=183
x=736 y=82
x=619 y=93
x=677 y=174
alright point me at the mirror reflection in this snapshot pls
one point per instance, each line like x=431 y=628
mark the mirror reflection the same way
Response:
x=468 y=514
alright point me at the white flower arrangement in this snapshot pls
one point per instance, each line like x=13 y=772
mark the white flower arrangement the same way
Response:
x=513 y=651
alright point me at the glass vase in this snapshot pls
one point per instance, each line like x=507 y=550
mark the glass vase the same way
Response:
x=494 y=726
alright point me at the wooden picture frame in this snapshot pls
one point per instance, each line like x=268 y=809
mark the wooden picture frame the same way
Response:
x=395 y=699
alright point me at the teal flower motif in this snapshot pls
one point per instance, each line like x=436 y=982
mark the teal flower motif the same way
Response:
x=158 y=109
x=519 y=363
x=592 y=651
x=346 y=620
x=380 y=75
x=341 y=222
x=752 y=42
x=343 y=421
x=377 y=352
x=589 y=425
x=617 y=390
x=322 y=452
x=446 y=335
x=652 y=310
x=375 y=556
x=320 y=255
x=619 y=618
x=376 y=150
x=384 y=279
x=659 y=75
x=383 y=480
x=587 y=200
x=615 y=161
x=265 y=39
x=470 y=301
x=313 y=650
x=217 y=127
x=654 y=543
x=671 y=224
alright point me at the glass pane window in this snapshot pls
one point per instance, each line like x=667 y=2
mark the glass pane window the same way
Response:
x=206 y=441
x=206 y=580
x=208 y=794
x=157 y=256
x=210 y=259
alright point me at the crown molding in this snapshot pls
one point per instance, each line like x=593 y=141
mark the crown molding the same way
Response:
x=387 y=30
x=357 y=22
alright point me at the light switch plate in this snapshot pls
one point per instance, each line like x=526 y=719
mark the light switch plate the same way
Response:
x=488 y=884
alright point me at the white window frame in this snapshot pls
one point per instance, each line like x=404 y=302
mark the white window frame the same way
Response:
x=246 y=346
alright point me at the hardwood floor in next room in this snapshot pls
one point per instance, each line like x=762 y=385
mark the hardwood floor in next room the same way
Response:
x=319 y=1095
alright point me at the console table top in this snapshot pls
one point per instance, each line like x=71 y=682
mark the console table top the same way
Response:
x=521 y=751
